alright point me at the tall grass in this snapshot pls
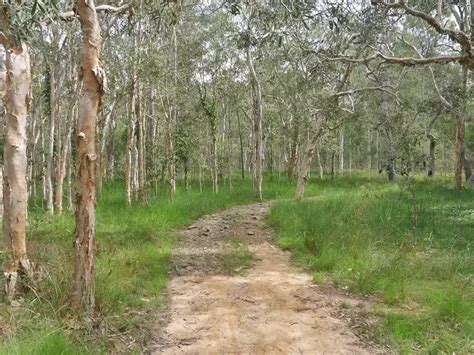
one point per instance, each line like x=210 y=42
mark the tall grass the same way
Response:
x=361 y=234
x=357 y=233
x=133 y=254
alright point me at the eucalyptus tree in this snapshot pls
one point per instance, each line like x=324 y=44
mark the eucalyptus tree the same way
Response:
x=449 y=23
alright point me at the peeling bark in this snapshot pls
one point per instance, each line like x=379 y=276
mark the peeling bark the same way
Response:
x=94 y=87
x=15 y=193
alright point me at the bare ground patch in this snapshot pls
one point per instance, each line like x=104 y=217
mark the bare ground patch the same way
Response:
x=266 y=307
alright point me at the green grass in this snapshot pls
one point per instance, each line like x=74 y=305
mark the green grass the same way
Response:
x=360 y=233
x=133 y=254
x=237 y=257
x=357 y=233
x=46 y=341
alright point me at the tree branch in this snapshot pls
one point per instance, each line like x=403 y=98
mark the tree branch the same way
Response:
x=404 y=61
x=457 y=36
x=433 y=78
x=70 y=15
x=383 y=88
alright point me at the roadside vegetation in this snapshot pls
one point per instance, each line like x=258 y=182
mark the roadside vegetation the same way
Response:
x=410 y=243
x=133 y=254
x=357 y=233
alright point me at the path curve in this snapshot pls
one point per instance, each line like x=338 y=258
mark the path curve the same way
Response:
x=271 y=308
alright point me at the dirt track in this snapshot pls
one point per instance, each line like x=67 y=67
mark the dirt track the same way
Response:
x=271 y=308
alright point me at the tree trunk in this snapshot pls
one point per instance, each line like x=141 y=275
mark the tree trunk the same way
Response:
x=467 y=166
x=258 y=124
x=3 y=92
x=460 y=121
x=50 y=161
x=459 y=153
x=101 y=158
x=341 y=152
x=292 y=163
x=70 y=203
x=62 y=160
x=350 y=150
x=215 y=165
x=432 y=156
x=333 y=165
x=94 y=87
x=15 y=194
x=305 y=164
x=174 y=119
x=321 y=169
x=141 y=151
x=58 y=179
x=369 y=148
x=43 y=160
x=242 y=163
x=391 y=159
x=129 y=155
x=63 y=156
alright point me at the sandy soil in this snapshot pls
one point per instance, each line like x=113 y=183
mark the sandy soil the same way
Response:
x=271 y=308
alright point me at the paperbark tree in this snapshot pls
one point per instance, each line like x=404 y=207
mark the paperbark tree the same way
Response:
x=15 y=191
x=94 y=86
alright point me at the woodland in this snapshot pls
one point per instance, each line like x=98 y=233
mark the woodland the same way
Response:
x=124 y=122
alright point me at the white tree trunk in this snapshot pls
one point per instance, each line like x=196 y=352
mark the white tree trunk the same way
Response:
x=50 y=161
x=258 y=124
x=15 y=192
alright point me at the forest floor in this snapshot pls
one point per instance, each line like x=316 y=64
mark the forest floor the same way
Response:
x=233 y=291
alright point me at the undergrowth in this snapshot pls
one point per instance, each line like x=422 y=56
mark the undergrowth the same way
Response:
x=133 y=254
x=359 y=233
x=411 y=243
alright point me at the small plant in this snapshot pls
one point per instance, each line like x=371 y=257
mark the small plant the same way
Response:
x=237 y=257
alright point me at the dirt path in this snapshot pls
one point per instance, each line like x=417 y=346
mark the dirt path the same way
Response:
x=270 y=308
